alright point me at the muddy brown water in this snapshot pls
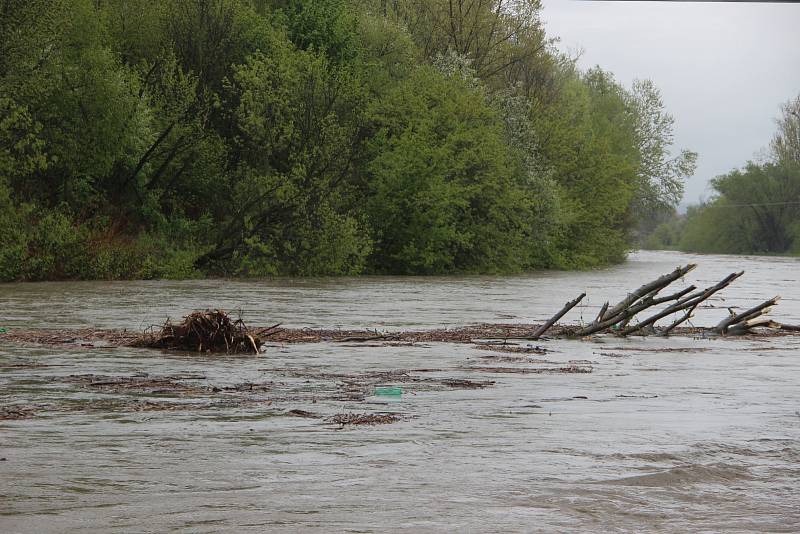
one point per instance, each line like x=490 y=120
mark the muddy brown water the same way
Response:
x=706 y=438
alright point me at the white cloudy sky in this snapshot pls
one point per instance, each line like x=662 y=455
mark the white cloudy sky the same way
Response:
x=723 y=68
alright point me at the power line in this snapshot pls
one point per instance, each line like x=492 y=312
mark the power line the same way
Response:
x=705 y=1
x=792 y=203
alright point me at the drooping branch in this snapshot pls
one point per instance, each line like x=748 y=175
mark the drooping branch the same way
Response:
x=567 y=307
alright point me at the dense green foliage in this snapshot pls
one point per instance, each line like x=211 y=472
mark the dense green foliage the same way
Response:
x=754 y=210
x=182 y=138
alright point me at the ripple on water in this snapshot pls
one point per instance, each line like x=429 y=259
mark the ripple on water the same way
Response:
x=678 y=434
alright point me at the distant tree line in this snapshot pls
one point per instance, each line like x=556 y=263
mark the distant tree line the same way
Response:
x=183 y=138
x=753 y=210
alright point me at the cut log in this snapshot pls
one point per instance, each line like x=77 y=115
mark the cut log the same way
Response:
x=546 y=326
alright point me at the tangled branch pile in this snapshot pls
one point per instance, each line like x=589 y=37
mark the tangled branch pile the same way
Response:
x=208 y=331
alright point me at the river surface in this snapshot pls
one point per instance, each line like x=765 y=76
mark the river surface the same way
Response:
x=703 y=438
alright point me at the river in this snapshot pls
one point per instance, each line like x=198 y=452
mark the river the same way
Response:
x=674 y=434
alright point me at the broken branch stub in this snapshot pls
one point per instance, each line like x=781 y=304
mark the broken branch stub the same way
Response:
x=602 y=313
x=546 y=326
x=745 y=327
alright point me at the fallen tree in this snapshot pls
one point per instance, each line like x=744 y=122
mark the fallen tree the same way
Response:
x=617 y=319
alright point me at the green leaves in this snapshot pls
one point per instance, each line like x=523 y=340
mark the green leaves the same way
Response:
x=445 y=193
x=661 y=175
x=299 y=115
x=755 y=210
x=785 y=145
x=272 y=137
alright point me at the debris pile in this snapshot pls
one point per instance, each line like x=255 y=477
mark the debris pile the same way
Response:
x=364 y=419
x=12 y=413
x=209 y=331
x=571 y=369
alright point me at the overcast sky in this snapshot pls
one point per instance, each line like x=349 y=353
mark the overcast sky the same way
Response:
x=723 y=68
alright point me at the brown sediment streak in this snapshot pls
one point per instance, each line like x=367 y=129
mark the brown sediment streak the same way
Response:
x=510 y=333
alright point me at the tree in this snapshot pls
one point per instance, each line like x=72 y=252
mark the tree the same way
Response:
x=497 y=36
x=443 y=183
x=303 y=137
x=661 y=176
x=751 y=213
x=785 y=143
x=299 y=142
x=755 y=209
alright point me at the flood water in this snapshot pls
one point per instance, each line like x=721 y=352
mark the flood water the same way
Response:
x=702 y=439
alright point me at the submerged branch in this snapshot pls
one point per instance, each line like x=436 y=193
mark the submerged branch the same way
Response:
x=746 y=315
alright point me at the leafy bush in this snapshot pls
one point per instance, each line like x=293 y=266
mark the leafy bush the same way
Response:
x=181 y=138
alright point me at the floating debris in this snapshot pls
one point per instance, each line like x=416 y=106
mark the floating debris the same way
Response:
x=344 y=419
x=516 y=349
x=513 y=359
x=460 y=383
x=474 y=334
x=572 y=369
x=388 y=391
x=152 y=385
x=13 y=413
x=370 y=382
x=665 y=349
x=615 y=355
x=209 y=331
x=113 y=338
x=21 y=364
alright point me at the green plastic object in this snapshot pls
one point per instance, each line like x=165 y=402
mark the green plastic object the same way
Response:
x=3 y=331
x=388 y=392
